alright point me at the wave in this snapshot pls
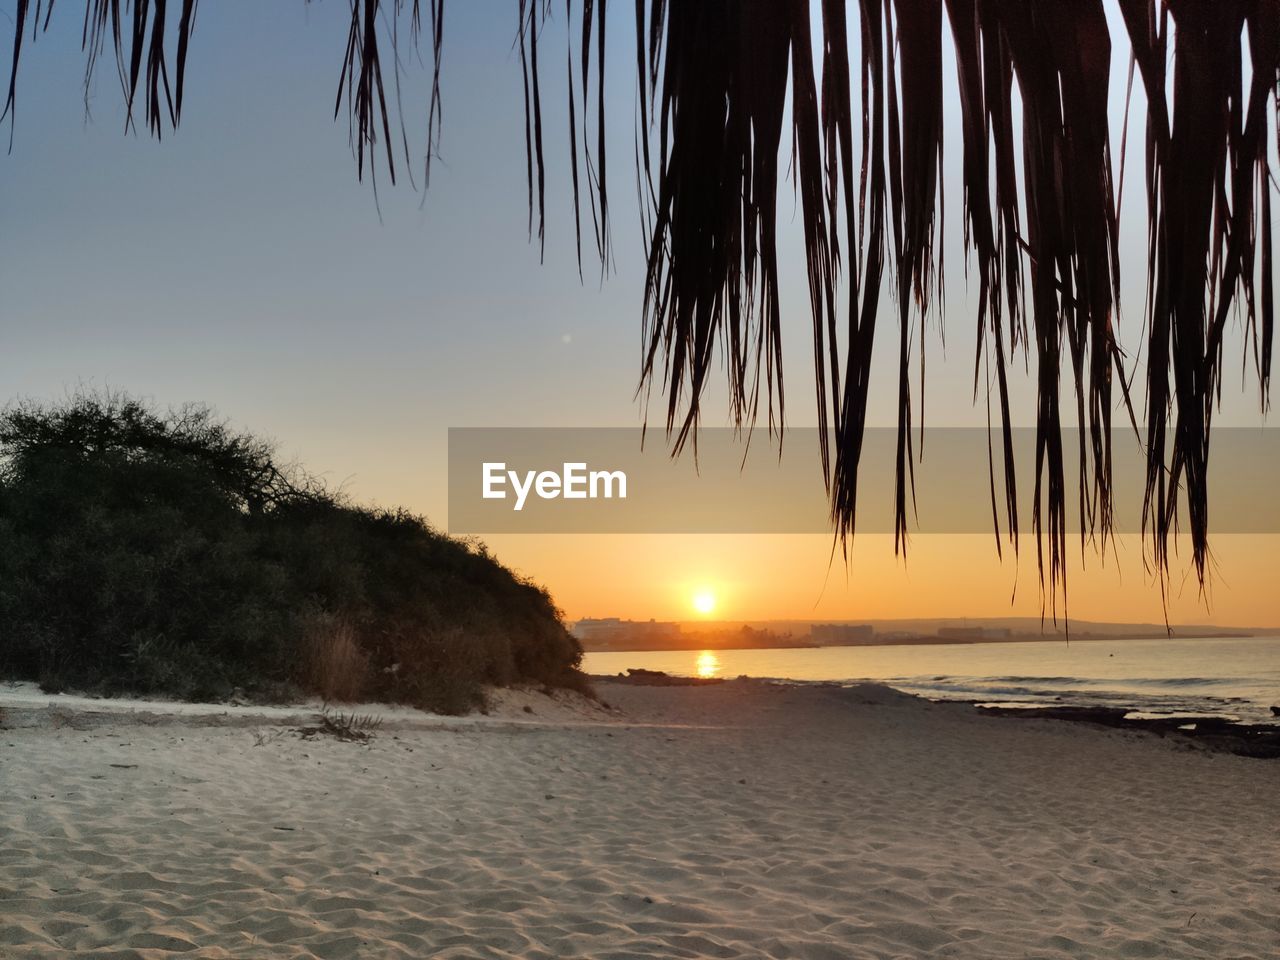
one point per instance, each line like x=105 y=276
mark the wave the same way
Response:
x=1079 y=681
x=1191 y=695
x=1239 y=677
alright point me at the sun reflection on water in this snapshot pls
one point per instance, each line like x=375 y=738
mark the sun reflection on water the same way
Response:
x=708 y=665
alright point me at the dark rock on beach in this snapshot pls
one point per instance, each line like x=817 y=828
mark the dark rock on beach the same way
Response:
x=659 y=678
x=1259 y=740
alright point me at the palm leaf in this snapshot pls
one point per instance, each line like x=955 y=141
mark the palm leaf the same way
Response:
x=715 y=78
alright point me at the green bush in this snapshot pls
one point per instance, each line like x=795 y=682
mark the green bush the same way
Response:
x=150 y=553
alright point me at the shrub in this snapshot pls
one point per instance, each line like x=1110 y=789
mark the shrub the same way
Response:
x=151 y=553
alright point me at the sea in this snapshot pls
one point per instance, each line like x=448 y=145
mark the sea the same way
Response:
x=1234 y=678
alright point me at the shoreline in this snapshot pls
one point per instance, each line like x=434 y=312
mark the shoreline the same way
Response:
x=24 y=705
x=1259 y=740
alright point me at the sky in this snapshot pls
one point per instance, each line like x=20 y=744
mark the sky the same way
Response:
x=240 y=263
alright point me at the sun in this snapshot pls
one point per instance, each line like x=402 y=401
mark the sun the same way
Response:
x=704 y=601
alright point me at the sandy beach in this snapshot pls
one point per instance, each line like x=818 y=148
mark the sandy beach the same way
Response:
x=738 y=820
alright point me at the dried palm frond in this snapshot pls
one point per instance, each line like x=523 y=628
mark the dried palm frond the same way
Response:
x=715 y=78
x=1210 y=230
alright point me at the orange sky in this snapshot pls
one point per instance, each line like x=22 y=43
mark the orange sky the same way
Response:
x=783 y=576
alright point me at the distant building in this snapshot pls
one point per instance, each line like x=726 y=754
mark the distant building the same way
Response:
x=974 y=634
x=614 y=632
x=841 y=634
x=596 y=630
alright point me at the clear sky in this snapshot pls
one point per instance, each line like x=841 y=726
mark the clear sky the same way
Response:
x=240 y=263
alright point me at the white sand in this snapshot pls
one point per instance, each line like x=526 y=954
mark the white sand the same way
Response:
x=733 y=821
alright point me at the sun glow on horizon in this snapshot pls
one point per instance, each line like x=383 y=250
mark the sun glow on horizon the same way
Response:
x=704 y=601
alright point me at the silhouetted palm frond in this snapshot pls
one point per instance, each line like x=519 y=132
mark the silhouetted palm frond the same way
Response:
x=715 y=79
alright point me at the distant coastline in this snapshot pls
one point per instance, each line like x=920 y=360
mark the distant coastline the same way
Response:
x=616 y=634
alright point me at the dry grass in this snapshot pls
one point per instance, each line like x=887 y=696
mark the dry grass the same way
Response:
x=263 y=738
x=332 y=663
x=348 y=727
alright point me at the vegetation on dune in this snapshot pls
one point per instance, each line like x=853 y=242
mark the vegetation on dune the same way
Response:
x=149 y=552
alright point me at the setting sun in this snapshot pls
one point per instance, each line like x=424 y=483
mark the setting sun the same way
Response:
x=704 y=601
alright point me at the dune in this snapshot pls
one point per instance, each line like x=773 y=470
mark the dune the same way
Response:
x=737 y=820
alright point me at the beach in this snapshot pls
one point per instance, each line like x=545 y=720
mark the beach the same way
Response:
x=740 y=819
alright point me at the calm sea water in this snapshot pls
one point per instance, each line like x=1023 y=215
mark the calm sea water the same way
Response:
x=1198 y=677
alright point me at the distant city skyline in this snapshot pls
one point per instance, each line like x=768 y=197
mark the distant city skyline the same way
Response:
x=946 y=626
